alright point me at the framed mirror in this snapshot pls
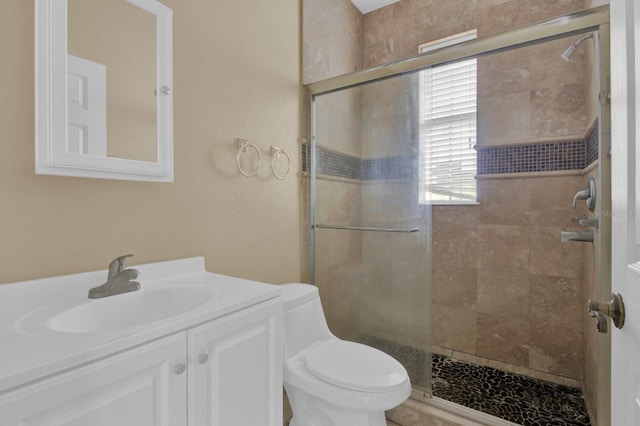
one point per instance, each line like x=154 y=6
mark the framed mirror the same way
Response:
x=103 y=89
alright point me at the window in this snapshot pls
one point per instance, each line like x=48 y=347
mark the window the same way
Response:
x=448 y=128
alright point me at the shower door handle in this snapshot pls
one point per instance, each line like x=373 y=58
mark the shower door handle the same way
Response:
x=613 y=309
x=366 y=228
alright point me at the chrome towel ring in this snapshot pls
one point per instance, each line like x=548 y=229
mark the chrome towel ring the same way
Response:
x=275 y=154
x=242 y=147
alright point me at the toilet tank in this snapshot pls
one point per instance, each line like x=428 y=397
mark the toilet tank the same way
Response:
x=304 y=321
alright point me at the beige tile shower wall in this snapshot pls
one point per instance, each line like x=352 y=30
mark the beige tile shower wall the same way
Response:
x=236 y=74
x=526 y=94
x=500 y=274
x=395 y=283
x=394 y=289
x=338 y=124
x=396 y=31
x=332 y=39
x=504 y=286
x=332 y=45
x=592 y=83
x=332 y=35
x=338 y=254
x=530 y=94
x=594 y=3
x=389 y=109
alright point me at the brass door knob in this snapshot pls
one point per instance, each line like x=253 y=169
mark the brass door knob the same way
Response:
x=613 y=309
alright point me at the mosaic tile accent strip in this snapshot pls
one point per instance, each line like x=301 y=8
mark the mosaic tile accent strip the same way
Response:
x=387 y=168
x=592 y=146
x=333 y=163
x=536 y=157
x=541 y=157
x=513 y=397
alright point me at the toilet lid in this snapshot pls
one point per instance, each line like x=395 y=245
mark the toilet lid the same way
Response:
x=355 y=366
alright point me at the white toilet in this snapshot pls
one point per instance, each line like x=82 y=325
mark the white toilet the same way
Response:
x=332 y=382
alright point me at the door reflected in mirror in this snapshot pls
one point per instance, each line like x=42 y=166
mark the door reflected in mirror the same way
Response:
x=111 y=62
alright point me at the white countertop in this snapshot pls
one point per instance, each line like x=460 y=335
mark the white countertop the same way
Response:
x=28 y=354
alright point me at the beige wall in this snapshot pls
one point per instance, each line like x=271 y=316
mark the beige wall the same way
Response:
x=235 y=75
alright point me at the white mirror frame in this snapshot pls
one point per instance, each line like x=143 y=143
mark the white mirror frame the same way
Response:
x=51 y=154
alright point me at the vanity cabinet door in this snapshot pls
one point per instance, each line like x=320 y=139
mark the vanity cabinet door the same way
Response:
x=139 y=387
x=235 y=376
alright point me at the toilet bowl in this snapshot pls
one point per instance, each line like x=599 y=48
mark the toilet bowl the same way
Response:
x=329 y=381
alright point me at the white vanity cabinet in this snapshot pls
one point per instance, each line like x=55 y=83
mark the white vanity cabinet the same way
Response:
x=223 y=372
x=236 y=374
x=136 y=387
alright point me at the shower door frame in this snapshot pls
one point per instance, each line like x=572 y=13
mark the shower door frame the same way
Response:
x=551 y=29
x=595 y=19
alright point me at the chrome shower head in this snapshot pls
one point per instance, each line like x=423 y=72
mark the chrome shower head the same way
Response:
x=568 y=53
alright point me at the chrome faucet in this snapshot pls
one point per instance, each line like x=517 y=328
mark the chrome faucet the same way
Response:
x=118 y=265
x=585 y=221
x=119 y=280
x=566 y=236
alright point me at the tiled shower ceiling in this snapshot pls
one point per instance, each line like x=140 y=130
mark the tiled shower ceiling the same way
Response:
x=366 y=6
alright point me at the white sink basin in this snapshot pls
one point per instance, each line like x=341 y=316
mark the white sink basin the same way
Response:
x=132 y=309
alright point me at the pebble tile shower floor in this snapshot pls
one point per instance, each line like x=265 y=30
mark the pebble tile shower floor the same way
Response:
x=519 y=399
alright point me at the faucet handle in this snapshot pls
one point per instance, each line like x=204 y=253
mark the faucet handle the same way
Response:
x=588 y=194
x=585 y=194
x=118 y=265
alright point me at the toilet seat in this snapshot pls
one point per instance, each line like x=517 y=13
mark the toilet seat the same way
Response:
x=355 y=366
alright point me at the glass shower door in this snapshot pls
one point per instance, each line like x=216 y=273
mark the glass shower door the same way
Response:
x=370 y=235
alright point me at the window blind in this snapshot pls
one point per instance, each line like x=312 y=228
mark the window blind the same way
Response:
x=448 y=132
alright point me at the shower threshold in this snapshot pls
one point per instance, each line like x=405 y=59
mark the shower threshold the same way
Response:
x=513 y=397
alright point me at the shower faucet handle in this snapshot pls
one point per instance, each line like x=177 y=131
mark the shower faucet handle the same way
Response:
x=589 y=194
x=585 y=194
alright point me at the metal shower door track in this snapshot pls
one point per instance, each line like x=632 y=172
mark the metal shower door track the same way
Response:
x=575 y=23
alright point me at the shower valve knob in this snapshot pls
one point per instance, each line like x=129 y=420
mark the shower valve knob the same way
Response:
x=588 y=194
